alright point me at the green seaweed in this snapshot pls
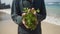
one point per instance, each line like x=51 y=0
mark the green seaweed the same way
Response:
x=30 y=18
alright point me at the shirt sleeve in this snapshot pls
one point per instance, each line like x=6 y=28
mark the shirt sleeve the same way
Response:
x=42 y=14
x=15 y=17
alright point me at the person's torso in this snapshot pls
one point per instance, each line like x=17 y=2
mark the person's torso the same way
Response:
x=30 y=4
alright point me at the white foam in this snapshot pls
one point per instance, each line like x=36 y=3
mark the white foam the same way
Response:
x=8 y=11
x=50 y=3
x=52 y=20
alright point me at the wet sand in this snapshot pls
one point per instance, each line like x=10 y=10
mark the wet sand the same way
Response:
x=7 y=26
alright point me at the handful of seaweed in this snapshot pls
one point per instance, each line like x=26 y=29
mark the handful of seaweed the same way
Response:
x=30 y=18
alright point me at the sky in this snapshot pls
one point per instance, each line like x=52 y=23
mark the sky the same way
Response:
x=10 y=1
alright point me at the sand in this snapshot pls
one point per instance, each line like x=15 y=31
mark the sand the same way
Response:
x=7 y=26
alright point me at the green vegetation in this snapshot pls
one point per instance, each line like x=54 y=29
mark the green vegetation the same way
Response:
x=30 y=18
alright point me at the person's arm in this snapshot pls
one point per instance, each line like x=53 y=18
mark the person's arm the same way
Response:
x=14 y=12
x=17 y=7
x=41 y=5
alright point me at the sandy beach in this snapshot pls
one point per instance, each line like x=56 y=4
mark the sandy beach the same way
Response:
x=7 y=26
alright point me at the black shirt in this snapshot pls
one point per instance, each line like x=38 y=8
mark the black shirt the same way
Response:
x=17 y=11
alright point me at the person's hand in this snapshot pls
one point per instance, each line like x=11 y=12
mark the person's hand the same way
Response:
x=34 y=11
x=23 y=21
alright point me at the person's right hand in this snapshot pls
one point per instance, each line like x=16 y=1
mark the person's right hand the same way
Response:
x=23 y=21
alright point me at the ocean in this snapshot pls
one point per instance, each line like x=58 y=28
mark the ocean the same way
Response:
x=53 y=9
x=53 y=13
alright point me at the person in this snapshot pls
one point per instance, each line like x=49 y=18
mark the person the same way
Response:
x=16 y=14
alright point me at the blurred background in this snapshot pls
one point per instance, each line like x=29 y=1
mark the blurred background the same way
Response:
x=51 y=25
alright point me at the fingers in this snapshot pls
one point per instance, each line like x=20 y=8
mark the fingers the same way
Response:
x=34 y=11
x=23 y=21
x=23 y=14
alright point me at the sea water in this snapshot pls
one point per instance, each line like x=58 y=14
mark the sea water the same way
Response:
x=53 y=13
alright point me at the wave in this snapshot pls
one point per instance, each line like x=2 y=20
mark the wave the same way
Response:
x=50 y=3
x=53 y=3
x=53 y=20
